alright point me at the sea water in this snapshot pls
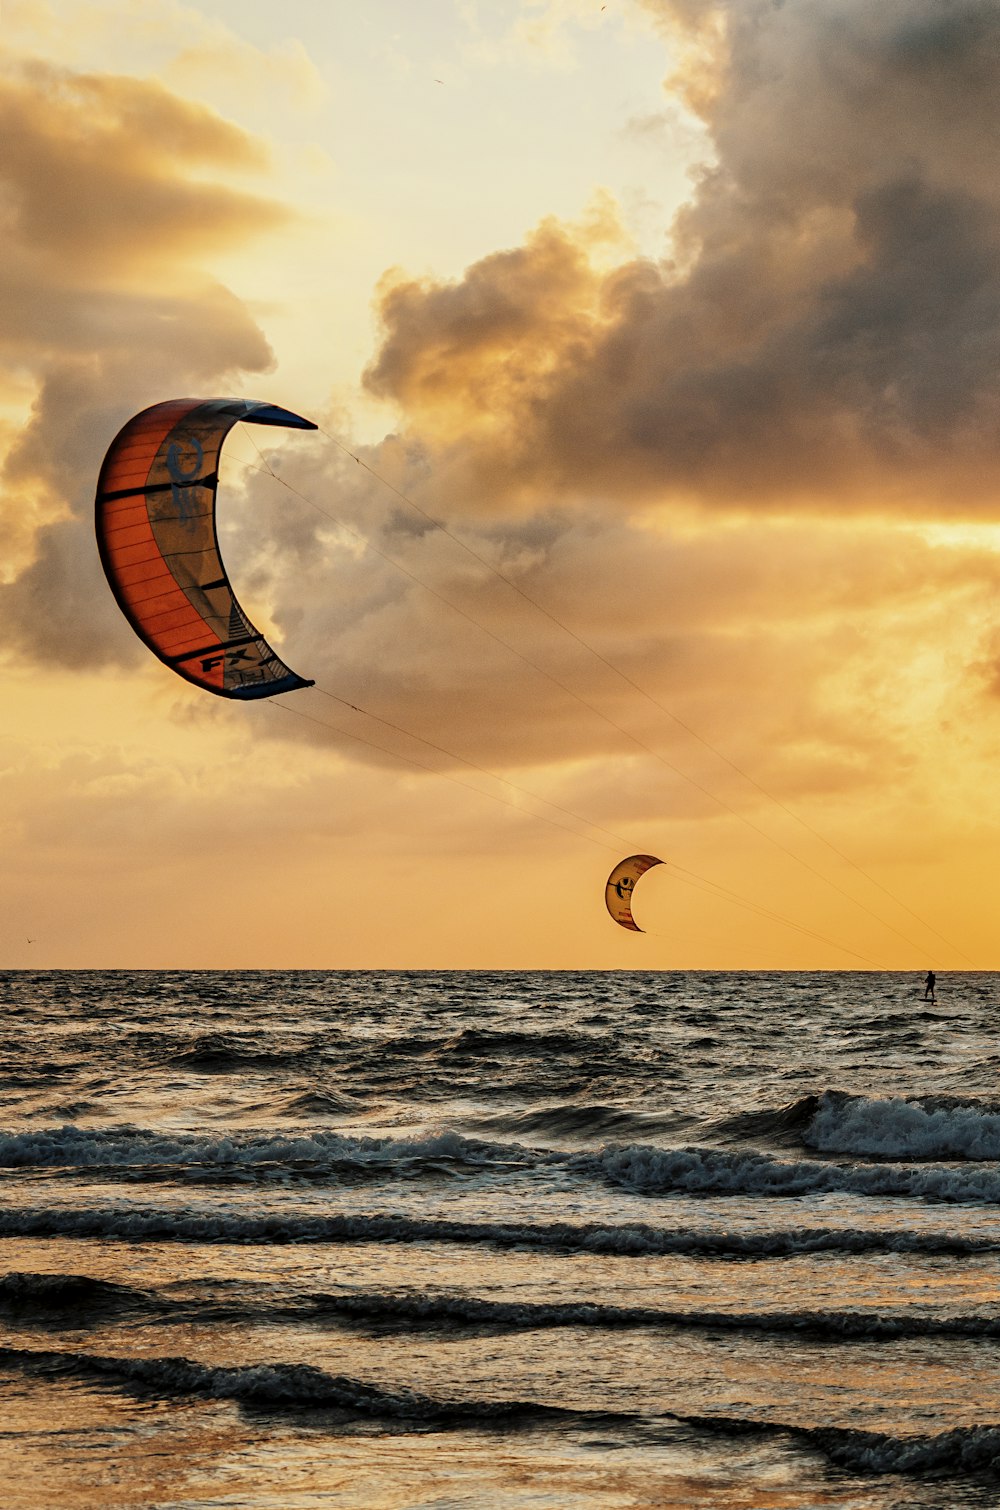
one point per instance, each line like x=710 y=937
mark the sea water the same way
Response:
x=383 y=1240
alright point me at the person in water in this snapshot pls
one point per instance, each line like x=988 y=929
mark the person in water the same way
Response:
x=929 y=985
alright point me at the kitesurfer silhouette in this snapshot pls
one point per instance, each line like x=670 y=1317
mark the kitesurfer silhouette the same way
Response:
x=929 y=985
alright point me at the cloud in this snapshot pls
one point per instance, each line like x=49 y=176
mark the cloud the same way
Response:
x=99 y=175
x=813 y=654
x=554 y=400
x=112 y=192
x=826 y=328
x=226 y=66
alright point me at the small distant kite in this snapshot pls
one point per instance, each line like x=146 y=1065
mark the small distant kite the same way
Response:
x=621 y=884
x=155 y=520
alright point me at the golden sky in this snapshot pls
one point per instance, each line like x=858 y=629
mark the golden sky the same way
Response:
x=654 y=349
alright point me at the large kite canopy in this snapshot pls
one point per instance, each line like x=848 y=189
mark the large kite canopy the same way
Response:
x=160 y=550
x=621 y=884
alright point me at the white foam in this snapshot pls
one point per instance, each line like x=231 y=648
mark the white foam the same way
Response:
x=892 y=1128
x=655 y=1171
x=71 y=1146
x=965 y=1450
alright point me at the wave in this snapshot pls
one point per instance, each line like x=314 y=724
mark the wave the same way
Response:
x=478 y=1047
x=40 y=1074
x=263 y=1156
x=260 y=1154
x=946 y=1455
x=405 y=1312
x=218 y=1053
x=573 y=1119
x=298 y=1387
x=783 y=1123
x=918 y=1128
x=45 y=1294
x=320 y=1104
x=966 y=1450
x=707 y=1171
x=59 y=1292
x=130 y=1223
x=273 y=1386
x=894 y=1127
x=643 y=1168
x=490 y=1044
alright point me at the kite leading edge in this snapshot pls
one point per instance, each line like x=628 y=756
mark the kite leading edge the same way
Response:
x=621 y=884
x=156 y=532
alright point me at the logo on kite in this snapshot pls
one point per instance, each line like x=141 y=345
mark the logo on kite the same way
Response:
x=155 y=521
x=621 y=884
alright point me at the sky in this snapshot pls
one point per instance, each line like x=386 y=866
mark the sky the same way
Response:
x=653 y=506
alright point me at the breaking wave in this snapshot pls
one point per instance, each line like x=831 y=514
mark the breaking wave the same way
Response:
x=643 y=1168
x=707 y=1171
x=259 y=1153
x=781 y=1124
x=894 y=1127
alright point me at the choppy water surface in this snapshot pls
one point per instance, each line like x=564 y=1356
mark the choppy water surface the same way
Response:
x=382 y=1240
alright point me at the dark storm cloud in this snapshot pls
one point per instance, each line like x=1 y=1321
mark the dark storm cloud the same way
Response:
x=828 y=325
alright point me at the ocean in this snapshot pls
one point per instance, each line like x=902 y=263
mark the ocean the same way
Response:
x=375 y=1240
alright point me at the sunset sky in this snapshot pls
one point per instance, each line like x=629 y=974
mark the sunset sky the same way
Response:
x=655 y=505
